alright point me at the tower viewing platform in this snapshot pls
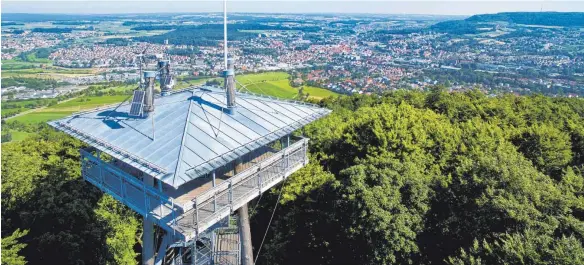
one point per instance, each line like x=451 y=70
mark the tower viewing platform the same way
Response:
x=191 y=162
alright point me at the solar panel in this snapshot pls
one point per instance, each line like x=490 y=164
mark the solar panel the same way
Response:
x=137 y=102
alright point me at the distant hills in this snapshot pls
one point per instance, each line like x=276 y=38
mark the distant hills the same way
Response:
x=472 y=24
x=564 y=19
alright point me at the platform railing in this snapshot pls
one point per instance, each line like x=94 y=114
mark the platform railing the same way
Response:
x=220 y=201
x=147 y=201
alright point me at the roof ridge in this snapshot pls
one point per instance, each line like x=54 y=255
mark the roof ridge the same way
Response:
x=182 y=146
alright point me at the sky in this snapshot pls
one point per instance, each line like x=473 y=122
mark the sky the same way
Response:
x=288 y=6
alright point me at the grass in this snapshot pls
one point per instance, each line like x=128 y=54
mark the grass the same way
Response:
x=276 y=84
x=17 y=65
x=19 y=136
x=183 y=83
x=123 y=88
x=318 y=93
x=12 y=111
x=50 y=72
x=67 y=108
x=23 y=105
x=277 y=88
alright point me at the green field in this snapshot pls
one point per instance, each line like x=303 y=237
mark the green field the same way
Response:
x=49 y=72
x=10 y=112
x=276 y=84
x=67 y=108
x=13 y=107
x=123 y=88
x=19 y=136
x=318 y=93
x=14 y=64
x=187 y=83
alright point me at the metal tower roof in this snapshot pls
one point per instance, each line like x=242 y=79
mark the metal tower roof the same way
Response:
x=192 y=133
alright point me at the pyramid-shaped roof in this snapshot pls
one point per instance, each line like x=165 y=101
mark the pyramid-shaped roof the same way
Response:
x=190 y=133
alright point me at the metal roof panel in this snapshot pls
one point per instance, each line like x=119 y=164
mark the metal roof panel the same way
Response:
x=193 y=134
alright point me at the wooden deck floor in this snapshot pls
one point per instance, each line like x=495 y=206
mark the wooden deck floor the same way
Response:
x=226 y=248
x=198 y=186
x=219 y=206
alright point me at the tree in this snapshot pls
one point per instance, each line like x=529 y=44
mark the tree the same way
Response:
x=69 y=221
x=530 y=247
x=547 y=147
x=11 y=248
x=6 y=137
x=434 y=178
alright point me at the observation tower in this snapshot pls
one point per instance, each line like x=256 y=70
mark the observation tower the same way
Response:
x=190 y=160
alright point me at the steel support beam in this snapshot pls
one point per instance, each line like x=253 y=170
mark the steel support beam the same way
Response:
x=148 y=231
x=244 y=228
x=245 y=234
x=166 y=241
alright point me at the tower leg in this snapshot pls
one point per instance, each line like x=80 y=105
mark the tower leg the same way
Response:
x=166 y=241
x=148 y=234
x=245 y=233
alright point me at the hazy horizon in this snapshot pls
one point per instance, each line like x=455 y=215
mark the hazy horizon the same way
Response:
x=463 y=8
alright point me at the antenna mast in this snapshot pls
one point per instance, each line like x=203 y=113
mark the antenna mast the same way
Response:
x=225 y=33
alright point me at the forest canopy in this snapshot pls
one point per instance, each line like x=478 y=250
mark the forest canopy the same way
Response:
x=435 y=178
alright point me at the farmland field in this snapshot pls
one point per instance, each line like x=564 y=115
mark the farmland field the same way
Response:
x=10 y=108
x=67 y=108
x=10 y=112
x=276 y=84
x=24 y=69
x=19 y=136
x=183 y=83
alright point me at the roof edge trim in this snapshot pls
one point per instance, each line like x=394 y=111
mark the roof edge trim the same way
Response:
x=89 y=138
x=197 y=171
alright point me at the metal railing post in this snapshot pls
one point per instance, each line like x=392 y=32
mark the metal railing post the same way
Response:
x=260 y=181
x=146 y=211
x=196 y=216
x=287 y=159
x=160 y=197
x=304 y=147
x=194 y=252
x=173 y=217
x=122 y=194
x=214 y=195
x=101 y=180
x=285 y=167
x=230 y=197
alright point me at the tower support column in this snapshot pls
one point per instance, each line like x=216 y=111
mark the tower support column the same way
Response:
x=245 y=234
x=148 y=233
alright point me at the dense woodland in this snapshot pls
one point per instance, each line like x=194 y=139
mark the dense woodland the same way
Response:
x=403 y=178
x=473 y=24
x=564 y=19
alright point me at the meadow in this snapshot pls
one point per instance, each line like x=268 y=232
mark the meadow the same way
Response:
x=67 y=108
x=276 y=84
x=29 y=70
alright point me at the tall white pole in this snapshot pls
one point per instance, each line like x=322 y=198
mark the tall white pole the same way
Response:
x=225 y=33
